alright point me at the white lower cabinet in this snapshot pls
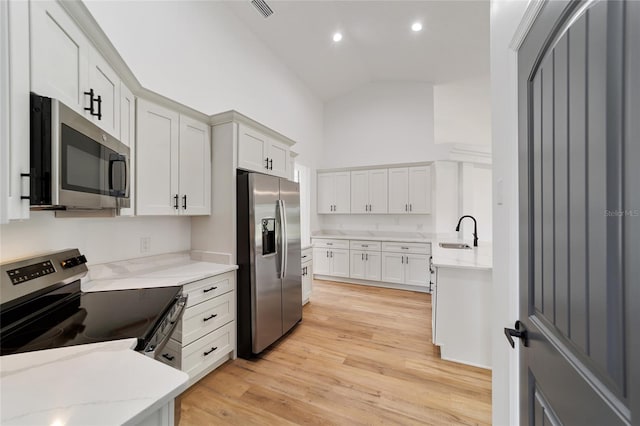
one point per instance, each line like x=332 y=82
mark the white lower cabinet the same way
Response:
x=406 y=263
x=403 y=263
x=365 y=265
x=205 y=336
x=307 y=274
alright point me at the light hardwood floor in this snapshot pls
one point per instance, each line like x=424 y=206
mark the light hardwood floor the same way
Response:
x=362 y=355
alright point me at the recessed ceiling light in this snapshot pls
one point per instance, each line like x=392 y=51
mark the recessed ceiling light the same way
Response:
x=337 y=37
x=417 y=26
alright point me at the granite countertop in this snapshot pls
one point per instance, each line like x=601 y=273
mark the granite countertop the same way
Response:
x=102 y=383
x=156 y=271
x=475 y=258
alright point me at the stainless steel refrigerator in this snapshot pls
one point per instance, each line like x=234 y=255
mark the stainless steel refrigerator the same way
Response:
x=270 y=273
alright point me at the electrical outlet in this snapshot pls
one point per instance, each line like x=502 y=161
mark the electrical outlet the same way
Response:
x=145 y=244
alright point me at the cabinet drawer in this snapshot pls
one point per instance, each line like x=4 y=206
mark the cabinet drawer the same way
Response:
x=326 y=243
x=307 y=254
x=208 y=288
x=365 y=245
x=205 y=351
x=417 y=248
x=171 y=353
x=205 y=317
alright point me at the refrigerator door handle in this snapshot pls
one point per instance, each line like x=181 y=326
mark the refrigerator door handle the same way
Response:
x=283 y=238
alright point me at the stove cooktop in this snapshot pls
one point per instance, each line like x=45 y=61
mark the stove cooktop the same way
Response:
x=73 y=318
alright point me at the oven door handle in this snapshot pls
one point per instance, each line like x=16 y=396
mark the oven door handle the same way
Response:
x=154 y=350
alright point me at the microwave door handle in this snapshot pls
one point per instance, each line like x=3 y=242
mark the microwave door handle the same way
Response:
x=122 y=190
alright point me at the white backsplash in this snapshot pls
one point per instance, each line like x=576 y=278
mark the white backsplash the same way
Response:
x=386 y=222
x=100 y=239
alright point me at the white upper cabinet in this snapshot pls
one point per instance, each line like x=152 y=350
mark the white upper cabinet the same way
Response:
x=174 y=163
x=261 y=153
x=59 y=55
x=105 y=84
x=369 y=191
x=420 y=189
x=410 y=190
x=334 y=193
x=66 y=66
x=14 y=110
x=128 y=137
x=195 y=167
x=157 y=159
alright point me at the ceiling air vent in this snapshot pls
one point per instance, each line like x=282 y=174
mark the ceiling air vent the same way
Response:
x=262 y=7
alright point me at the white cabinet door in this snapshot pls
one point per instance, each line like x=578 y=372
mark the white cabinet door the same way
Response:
x=307 y=274
x=373 y=266
x=325 y=193
x=157 y=152
x=339 y=262
x=321 y=261
x=416 y=269
x=252 y=149
x=195 y=167
x=342 y=191
x=278 y=155
x=399 y=190
x=59 y=55
x=128 y=137
x=378 y=191
x=14 y=110
x=360 y=191
x=420 y=189
x=357 y=265
x=393 y=267
x=106 y=85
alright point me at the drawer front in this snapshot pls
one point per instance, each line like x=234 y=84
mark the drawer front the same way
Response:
x=205 y=317
x=200 y=354
x=172 y=354
x=416 y=248
x=326 y=243
x=208 y=288
x=307 y=254
x=365 y=245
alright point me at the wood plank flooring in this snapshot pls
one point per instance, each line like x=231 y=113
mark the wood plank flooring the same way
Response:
x=362 y=355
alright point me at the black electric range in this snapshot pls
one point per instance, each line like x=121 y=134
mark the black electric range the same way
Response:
x=43 y=307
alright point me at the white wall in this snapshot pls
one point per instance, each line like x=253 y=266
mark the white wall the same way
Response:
x=505 y=17
x=382 y=222
x=380 y=123
x=462 y=112
x=101 y=240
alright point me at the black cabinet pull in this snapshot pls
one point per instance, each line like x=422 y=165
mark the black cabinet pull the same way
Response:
x=168 y=357
x=90 y=108
x=267 y=165
x=209 y=351
x=175 y=201
x=184 y=201
x=402 y=260
x=362 y=256
x=99 y=114
x=366 y=257
x=271 y=164
x=209 y=317
x=410 y=207
x=406 y=207
x=207 y=290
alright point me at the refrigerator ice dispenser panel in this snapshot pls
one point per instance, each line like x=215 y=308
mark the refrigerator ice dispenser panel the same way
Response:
x=268 y=236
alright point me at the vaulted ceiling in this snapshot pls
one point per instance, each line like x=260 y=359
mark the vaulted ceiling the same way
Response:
x=378 y=43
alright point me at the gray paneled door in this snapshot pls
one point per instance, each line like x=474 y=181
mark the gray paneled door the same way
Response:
x=579 y=136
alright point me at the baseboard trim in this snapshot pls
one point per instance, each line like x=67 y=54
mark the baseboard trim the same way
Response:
x=382 y=284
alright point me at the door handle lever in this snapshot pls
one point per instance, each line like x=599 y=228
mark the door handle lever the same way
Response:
x=517 y=332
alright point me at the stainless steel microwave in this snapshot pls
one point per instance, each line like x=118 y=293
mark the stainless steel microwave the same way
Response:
x=74 y=163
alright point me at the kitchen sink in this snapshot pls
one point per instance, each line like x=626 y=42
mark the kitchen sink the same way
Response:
x=459 y=246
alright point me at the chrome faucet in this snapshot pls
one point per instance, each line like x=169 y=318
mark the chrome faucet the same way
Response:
x=475 y=229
